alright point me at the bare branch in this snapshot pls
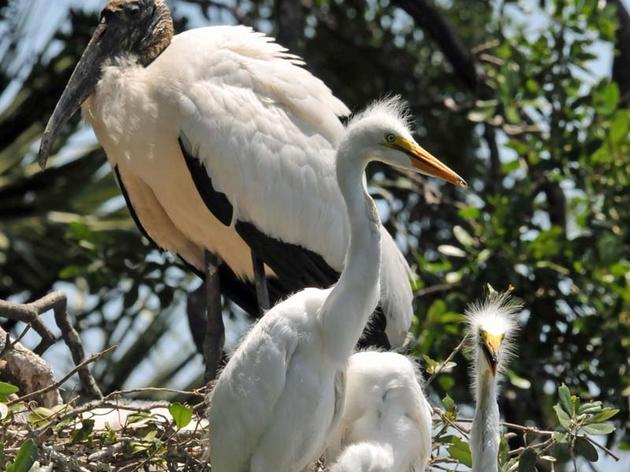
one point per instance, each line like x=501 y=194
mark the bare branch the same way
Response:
x=65 y=378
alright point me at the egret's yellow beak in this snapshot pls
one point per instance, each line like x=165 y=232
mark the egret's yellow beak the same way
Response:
x=491 y=344
x=424 y=161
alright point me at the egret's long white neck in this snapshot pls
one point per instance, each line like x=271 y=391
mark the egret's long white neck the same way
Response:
x=355 y=296
x=484 y=436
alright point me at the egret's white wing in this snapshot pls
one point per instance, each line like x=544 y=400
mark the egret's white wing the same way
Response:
x=247 y=393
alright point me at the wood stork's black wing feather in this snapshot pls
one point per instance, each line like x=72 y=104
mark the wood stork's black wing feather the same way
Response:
x=216 y=202
x=295 y=266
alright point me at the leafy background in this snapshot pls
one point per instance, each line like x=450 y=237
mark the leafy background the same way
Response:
x=529 y=103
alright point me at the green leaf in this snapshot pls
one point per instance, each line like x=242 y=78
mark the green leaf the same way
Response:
x=460 y=451
x=599 y=429
x=181 y=414
x=560 y=438
x=430 y=364
x=586 y=449
x=619 y=126
x=25 y=457
x=82 y=434
x=517 y=381
x=469 y=213
x=564 y=395
x=452 y=251
x=437 y=308
x=590 y=407
x=448 y=402
x=511 y=166
x=527 y=461
x=605 y=414
x=8 y=389
x=481 y=114
x=606 y=100
x=463 y=236
x=504 y=449
x=563 y=418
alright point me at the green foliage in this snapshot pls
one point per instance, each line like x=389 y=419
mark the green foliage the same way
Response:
x=25 y=458
x=7 y=389
x=182 y=415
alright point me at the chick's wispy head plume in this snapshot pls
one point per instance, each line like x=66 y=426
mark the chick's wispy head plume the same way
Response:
x=493 y=318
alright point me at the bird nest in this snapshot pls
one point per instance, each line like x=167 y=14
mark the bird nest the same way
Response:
x=103 y=435
x=92 y=432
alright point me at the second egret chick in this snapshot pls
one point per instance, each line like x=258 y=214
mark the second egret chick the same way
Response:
x=386 y=421
x=491 y=326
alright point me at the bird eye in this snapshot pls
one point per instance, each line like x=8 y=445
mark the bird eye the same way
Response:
x=132 y=10
x=390 y=138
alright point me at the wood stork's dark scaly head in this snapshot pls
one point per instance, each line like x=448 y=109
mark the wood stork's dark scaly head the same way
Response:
x=138 y=30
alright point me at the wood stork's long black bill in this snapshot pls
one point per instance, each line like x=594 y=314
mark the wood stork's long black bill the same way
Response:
x=80 y=86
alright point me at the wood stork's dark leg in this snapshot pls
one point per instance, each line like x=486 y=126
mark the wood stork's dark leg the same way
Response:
x=262 y=292
x=215 y=331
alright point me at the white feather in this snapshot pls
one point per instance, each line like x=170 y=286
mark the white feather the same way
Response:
x=282 y=393
x=386 y=421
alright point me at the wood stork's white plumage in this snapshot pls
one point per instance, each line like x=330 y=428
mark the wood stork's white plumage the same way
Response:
x=386 y=421
x=491 y=328
x=281 y=393
x=221 y=141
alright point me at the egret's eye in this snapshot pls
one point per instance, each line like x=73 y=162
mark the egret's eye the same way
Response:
x=390 y=138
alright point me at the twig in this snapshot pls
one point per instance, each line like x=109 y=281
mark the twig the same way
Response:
x=603 y=448
x=29 y=313
x=452 y=423
x=65 y=378
x=445 y=362
x=66 y=463
x=433 y=289
x=58 y=302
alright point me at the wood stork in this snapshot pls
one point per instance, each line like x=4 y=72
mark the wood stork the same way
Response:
x=222 y=142
x=280 y=395
x=386 y=421
x=491 y=327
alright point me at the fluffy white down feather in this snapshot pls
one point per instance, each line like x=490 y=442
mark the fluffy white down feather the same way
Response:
x=386 y=420
x=266 y=130
x=365 y=457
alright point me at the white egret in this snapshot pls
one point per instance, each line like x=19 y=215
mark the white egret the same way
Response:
x=221 y=141
x=386 y=421
x=279 y=396
x=491 y=327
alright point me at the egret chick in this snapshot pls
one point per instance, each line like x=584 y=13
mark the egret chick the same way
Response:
x=491 y=326
x=280 y=395
x=386 y=420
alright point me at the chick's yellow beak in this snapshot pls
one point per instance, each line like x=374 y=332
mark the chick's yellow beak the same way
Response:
x=491 y=344
x=428 y=164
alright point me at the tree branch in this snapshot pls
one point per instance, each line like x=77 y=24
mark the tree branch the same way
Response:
x=425 y=14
